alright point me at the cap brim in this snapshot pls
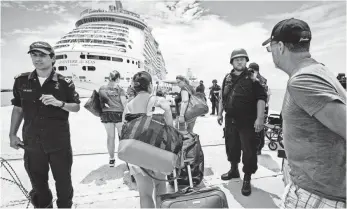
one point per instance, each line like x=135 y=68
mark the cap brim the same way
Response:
x=40 y=50
x=266 y=42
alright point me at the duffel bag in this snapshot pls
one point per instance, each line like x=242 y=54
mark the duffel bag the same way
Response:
x=197 y=106
x=149 y=142
x=193 y=154
x=93 y=104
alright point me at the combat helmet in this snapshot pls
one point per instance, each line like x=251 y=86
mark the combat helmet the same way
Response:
x=238 y=53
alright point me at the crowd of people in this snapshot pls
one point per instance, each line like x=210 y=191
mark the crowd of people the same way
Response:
x=313 y=111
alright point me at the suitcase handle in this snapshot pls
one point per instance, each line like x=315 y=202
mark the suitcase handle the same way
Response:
x=185 y=190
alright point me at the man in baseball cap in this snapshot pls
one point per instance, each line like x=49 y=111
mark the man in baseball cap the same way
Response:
x=290 y=31
x=314 y=121
x=43 y=47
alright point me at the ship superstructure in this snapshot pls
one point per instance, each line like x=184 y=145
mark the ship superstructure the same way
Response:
x=107 y=40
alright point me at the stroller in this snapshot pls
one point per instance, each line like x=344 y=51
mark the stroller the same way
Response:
x=273 y=131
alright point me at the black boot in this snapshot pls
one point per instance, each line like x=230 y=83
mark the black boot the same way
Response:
x=232 y=173
x=246 y=187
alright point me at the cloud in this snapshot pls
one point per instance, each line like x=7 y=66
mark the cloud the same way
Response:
x=2 y=42
x=39 y=6
x=190 y=37
x=5 y=4
x=51 y=33
x=24 y=31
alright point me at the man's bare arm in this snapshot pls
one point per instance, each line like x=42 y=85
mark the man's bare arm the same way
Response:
x=71 y=107
x=260 y=109
x=16 y=120
x=333 y=116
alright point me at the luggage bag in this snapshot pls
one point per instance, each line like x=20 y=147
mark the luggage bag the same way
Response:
x=208 y=197
x=192 y=153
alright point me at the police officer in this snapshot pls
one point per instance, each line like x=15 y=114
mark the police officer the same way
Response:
x=214 y=96
x=44 y=98
x=243 y=100
x=254 y=68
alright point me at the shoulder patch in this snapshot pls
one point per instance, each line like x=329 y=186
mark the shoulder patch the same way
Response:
x=68 y=80
x=22 y=75
x=61 y=77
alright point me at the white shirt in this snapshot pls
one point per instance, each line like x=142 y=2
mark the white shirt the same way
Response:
x=42 y=80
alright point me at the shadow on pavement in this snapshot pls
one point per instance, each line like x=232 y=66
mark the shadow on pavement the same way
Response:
x=258 y=199
x=266 y=161
x=104 y=174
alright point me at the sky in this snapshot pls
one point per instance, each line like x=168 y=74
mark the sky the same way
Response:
x=191 y=34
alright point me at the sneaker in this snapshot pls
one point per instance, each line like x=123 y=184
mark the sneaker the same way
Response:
x=112 y=162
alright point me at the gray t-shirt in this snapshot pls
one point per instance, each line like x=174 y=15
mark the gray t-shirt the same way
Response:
x=316 y=155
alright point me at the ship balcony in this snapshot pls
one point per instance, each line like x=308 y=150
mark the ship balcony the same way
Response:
x=112 y=17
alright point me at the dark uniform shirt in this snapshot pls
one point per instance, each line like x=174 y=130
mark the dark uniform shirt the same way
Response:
x=213 y=92
x=240 y=98
x=44 y=124
x=263 y=81
x=201 y=89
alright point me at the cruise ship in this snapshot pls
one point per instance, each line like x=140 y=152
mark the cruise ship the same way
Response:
x=107 y=40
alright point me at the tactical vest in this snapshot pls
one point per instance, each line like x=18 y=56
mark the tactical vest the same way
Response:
x=228 y=89
x=229 y=86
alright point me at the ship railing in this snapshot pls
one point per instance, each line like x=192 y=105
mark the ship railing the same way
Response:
x=117 y=11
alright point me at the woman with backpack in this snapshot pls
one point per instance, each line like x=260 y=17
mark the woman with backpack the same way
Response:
x=113 y=101
x=183 y=98
x=136 y=108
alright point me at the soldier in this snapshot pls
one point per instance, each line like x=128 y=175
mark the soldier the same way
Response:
x=201 y=87
x=254 y=68
x=214 y=96
x=44 y=98
x=243 y=100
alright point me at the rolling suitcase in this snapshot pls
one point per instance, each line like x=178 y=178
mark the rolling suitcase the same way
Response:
x=208 y=197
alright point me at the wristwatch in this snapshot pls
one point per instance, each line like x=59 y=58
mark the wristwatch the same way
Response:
x=62 y=105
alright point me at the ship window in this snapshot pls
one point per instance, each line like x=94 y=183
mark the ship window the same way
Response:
x=97 y=57
x=122 y=78
x=84 y=68
x=82 y=56
x=133 y=62
x=60 y=56
x=91 y=68
x=130 y=47
x=104 y=58
x=117 y=59
x=62 y=68
x=128 y=61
